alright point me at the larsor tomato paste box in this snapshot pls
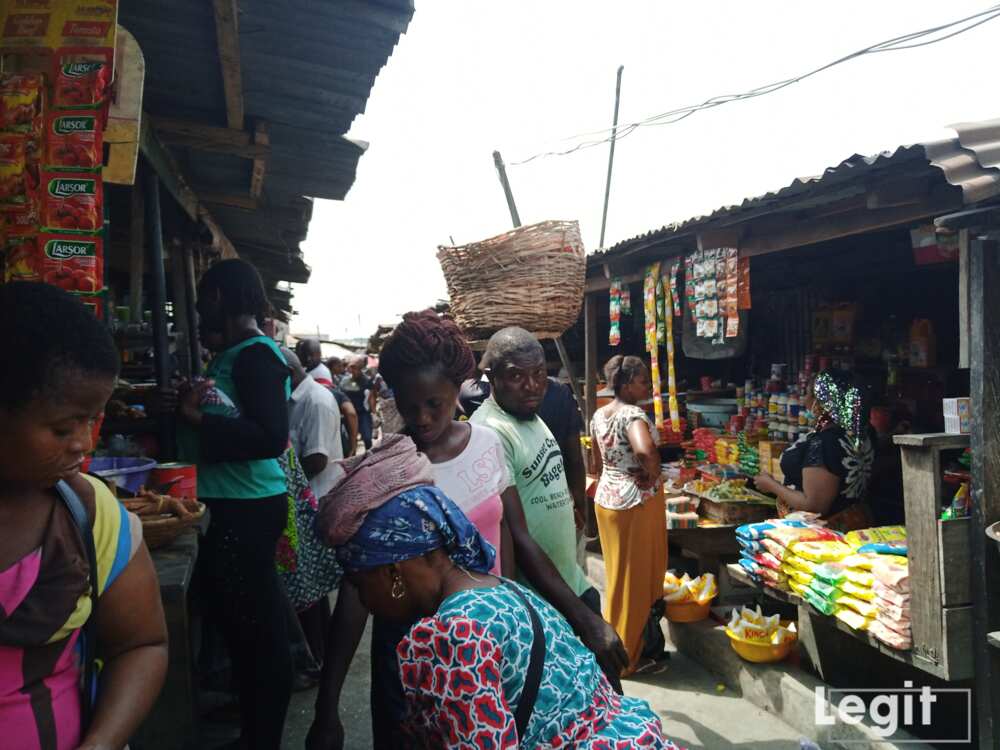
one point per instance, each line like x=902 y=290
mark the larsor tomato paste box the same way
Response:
x=20 y=219
x=23 y=260
x=72 y=202
x=81 y=84
x=20 y=102
x=73 y=263
x=73 y=140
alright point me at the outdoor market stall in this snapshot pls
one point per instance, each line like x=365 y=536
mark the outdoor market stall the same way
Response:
x=845 y=270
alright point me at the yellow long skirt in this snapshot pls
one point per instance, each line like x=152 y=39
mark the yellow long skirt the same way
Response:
x=634 y=544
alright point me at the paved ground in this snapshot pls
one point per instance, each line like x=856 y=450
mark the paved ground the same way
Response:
x=694 y=713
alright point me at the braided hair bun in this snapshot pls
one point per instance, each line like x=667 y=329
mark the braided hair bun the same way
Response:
x=621 y=370
x=426 y=340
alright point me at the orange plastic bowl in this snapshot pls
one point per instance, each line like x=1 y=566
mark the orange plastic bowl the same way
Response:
x=761 y=653
x=688 y=611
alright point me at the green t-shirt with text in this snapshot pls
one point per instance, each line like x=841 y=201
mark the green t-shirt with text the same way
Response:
x=536 y=463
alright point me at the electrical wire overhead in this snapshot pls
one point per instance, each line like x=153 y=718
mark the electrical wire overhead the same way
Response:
x=912 y=40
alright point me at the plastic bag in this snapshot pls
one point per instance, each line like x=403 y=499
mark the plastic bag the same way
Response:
x=877 y=535
x=859 y=592
x=863 y=608
x=832 y=573
x=819 y=552
x=852 y=619
x=893 y=572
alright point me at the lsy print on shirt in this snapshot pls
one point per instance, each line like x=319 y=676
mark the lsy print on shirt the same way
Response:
x=482 y=471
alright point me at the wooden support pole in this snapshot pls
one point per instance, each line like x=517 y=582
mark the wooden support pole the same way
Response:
x=568 y=365
x=590 y=357
x=137 y=252
x=161 y=351
x=984 y=351
x=183 y=325
x=191 y=300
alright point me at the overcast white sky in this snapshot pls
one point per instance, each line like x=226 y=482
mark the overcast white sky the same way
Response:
x=520 y=75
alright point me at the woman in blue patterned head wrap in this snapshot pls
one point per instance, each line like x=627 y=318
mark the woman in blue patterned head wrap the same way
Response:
x=465 y=665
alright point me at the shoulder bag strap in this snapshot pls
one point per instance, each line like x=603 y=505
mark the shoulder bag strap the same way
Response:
x=533 y=679
x=79 y=515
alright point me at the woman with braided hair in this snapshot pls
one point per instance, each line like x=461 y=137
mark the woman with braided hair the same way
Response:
x=425 y=361
x=629 y=505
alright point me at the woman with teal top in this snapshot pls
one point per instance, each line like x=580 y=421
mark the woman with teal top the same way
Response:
x=235 y=428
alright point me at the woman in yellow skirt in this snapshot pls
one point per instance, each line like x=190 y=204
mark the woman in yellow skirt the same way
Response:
x=629 y=504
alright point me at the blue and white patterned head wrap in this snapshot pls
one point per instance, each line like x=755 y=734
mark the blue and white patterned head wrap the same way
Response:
x=411 y=524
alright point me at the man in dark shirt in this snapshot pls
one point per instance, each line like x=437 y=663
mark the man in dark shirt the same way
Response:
x=359 y=388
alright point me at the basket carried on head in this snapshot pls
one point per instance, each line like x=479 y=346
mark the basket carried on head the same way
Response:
x=531 y=277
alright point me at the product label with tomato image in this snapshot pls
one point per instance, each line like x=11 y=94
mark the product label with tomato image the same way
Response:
x=72 y=202
x=73 y=141
x=81 y=84
x=75 y=264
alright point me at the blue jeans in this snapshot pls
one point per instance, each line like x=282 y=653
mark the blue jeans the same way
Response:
x=365 y=428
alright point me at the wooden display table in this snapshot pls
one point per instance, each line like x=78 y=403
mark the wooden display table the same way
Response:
x=172 y=724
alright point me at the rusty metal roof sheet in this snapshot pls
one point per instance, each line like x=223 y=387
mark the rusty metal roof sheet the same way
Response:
x=970 y=161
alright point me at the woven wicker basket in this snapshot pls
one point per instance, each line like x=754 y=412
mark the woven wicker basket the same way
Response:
x=163 y=530
x=531 y=277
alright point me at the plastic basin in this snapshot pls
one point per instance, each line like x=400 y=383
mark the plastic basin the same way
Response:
x=127 y=473
x=687 y=611
x=761 y=653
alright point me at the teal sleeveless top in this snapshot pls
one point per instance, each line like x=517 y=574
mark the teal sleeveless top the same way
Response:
x=249 y=480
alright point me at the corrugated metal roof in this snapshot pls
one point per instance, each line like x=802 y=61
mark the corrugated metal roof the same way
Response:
x=308 y=67
x=970 y=161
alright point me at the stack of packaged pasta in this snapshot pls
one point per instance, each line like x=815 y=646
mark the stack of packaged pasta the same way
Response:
x=767 y=555
x=843 y=589
x=892 y=598
x=805 y=555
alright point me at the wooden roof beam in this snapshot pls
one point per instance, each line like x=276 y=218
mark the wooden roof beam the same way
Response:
x=227 y=34
x=263 y=140
x=201 y=137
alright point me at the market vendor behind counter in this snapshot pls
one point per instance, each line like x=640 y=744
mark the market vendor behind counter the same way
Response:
x=827 y=471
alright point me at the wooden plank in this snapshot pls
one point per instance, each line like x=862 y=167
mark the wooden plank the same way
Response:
x=737 y=573
x=137 y=251
x=922 y=500
x=227 y=36
x=261 y=138
x=984 y=360
x=963 y=298
x=956 y=577
x=171 y=129
x=163 y=162
x=590 y=364
x=957 y=636
x=121 y=133
x=941 y=440
x=226 y=199
x=602 y=283
x=808 y=232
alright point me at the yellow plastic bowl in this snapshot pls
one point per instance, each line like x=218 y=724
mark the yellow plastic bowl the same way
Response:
x=687 y=611
x=761 y=653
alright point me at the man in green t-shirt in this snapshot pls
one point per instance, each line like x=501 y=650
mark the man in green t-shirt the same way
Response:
x=514 y=362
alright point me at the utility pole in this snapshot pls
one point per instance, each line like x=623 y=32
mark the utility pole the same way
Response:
x=611 y=153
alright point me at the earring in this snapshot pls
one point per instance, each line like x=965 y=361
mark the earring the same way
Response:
x=398 y=590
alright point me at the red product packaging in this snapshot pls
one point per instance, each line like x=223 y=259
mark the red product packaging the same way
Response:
x=20 y=102
x=73 y=140
x=13 y=168
x=81 y=84
x=72 y=202
x=23 y=260
x=20 y=219
x=71 y=262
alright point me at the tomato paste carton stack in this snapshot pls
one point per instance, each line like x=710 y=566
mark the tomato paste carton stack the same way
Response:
x=51 y=194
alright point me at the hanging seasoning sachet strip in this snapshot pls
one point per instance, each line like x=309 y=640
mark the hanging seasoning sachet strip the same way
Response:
x=652 y=344
x=614 y=312
x=626 y=298
x=675 y=414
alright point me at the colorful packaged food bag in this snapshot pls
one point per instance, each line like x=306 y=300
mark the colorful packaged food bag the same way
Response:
x=885 y=594
x=893 y=572
x=15 y=182
x=821 y=603
x=857 y=591
x=894 y=615
x=832 y=573
x=859 y=577
x=23 y=262
x=799 y=563
x=72 y=262
x=777 y=549
x=863 y=608
x=861 y=561
x=823 y=589
x=757 y=530
x=20 y=102
x=72 y=202
x=825 y=551
x=788 y=535
x=797 y=587
x=796 y=575
x=81 y=84
x=890 y=637
x=878 y=535
x=852 y=619
x=73 y=140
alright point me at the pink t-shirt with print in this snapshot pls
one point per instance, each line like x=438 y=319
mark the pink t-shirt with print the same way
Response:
x=474 y=480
